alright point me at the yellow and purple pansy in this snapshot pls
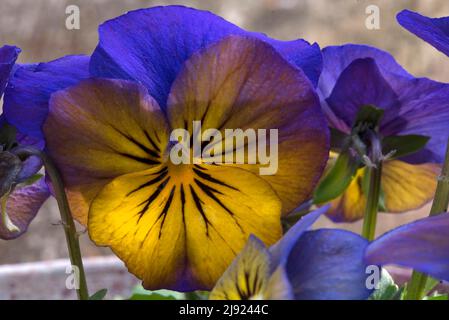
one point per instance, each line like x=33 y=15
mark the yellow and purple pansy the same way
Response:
x=156 y=70
x=355 y=76
x=331 y=264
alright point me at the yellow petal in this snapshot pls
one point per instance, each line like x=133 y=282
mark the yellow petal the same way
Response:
x=408 y=186
x=101 y=129
x=183 y=229
x=247 y=277
x=405 y=187
x=350 y=206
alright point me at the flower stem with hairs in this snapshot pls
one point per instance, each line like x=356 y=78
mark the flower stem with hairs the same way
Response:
x=66 y=217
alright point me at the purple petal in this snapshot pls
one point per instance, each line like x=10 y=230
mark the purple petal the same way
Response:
x=423 y=107
x=422 y=245
x=361 y=83
x=281 y=250
x=29 y=90
x=8 y=56
x=33 y=164
x=434 y=31
x=424 y=110
x=338 y=58
x=22 y=206
x=151 y=45
x=328 y=264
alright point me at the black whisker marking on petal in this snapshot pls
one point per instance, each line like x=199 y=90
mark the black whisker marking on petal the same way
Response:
x=143 y=147
x=183 y=203
x=137 y=143
x=149 y=183
x=256 y=283
x=240 y=292
x=209 y=178
x=206 y=111
x=199 y=167
x=151 y=141
x=209 y=191
x=248 y=288
x=199 y=206
x=150 y=200
x=139 y=159
x=162 y=214
x=207 y=188
x=165 y=210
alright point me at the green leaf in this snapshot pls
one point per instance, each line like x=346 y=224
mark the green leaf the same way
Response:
x=337 y=179
x=369 y=116
x=403 y=145
x=388 y=289
x=197 y=295
x=139 y=293
x=99 y=295
x=34 y=178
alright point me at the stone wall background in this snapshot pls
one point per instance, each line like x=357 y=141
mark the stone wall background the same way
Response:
x=38 y=27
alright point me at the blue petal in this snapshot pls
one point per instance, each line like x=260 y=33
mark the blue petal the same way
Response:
x=151 y=45
x=30 y=88
x=338 y=58
x=422 y=245
x=360 y=84
x=8 y=56
x=328 y=264
x=22 y=206
x=435 y=31
x=281 y=250
x=424 y=110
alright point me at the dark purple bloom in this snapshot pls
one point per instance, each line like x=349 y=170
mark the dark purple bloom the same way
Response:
x=435 y=31
x=20 y=198
x=357 y=75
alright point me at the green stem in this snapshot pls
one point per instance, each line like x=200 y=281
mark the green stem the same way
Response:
x=415 y=288
x=372 y=203
x=66 y=217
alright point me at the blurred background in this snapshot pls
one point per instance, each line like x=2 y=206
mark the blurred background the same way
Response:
x=38 y=27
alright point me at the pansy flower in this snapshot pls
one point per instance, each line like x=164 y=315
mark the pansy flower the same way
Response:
x=21 y=192
x=331 y=264
x=179 y=226
x=435 y=31
x=412 y=127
